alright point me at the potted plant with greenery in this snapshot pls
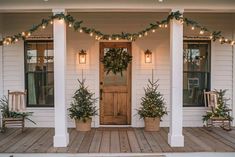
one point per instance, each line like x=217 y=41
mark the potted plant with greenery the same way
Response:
x=82 y=107
x=152 y=106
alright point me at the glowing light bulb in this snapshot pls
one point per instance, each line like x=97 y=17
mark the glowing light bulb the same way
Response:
x=220 y=39
x=43 y=26
x=140 y=35
x=16 y=39
x=91 y=34
x=51 y=22
x=211 y=37
x=153 y=30
x=165 y=25
x=146 y=33
x=232 y=43
x=160 y=25
x=29 y=34
x=80 y=30
x=201 y=32
x=117 y=38
x=193 y=28
x=23 y=33
x=70 y=24
x=110 y=38
x=226 y=40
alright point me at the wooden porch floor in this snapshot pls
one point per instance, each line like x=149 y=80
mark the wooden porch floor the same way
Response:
x=116 y=140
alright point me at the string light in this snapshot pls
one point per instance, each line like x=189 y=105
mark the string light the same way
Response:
x=23 y=33
x=117 y=38
x=159 y=24
x=201 y=31
x=70 y=24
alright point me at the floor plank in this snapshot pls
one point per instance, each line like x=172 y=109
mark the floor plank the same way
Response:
x=85 y=145
x=124 y=142
x=133 y=141
x=95 y=144
x=115 y=143
x=75 y=145
x=143 y=143
x=105 y=142
x=116 y=140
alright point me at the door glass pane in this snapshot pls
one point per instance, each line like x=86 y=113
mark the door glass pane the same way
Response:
x=196 y=72
x=39 y=73
x=115 y=80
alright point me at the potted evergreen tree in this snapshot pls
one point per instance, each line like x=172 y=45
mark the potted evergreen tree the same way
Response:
x=82 y=107
x=152 y=106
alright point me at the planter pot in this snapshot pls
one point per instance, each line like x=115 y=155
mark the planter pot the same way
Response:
x=83 y=126
x=152 y=124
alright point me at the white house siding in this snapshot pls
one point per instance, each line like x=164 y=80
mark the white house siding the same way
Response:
x=222 y=63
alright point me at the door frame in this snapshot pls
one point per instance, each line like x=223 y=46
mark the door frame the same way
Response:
x=129 y=83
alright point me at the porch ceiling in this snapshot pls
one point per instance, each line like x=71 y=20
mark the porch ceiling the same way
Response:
x=118 y=5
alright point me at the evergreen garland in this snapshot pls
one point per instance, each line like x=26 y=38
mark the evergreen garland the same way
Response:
x=116 y=60
x=82 y=106
x=221 y=110
x=76 y=25
x=153 y=103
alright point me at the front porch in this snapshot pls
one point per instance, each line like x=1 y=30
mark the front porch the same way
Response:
x=116 y=140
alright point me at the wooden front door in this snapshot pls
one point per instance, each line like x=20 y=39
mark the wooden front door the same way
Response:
x=115 y=90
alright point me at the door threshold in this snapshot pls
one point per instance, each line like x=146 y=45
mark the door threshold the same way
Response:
x=115 y=126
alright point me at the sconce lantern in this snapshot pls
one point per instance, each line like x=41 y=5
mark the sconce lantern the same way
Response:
x=148 y=56
x=82 y=56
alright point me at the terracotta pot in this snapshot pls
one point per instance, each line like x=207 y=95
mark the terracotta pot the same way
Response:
x=152 y=124
x=83 y=126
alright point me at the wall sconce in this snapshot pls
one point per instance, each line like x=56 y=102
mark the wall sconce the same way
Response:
x=148 y=56
x=82 y=56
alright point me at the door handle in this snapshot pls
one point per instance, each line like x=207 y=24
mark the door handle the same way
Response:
x=101 y=93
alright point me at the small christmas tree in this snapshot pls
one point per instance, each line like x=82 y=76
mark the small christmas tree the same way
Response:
x=153 y=103
x=221 y=110
x=82 y=107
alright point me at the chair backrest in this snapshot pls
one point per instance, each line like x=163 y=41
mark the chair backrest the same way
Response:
x=210 y=99
x=17 y=100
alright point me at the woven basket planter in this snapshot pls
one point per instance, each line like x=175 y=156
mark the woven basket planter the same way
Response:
x=152 y=124
x=83 y=126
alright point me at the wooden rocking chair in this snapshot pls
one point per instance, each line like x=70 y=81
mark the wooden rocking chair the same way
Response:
x=210 y=100
x=17 y=103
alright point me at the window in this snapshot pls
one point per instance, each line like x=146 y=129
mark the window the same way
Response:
x=39 y=73
x=196 y=75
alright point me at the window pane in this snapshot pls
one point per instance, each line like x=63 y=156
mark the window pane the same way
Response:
x=39 y=73
x=196 y=72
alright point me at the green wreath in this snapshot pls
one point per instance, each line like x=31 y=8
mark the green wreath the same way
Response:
x=116 y=60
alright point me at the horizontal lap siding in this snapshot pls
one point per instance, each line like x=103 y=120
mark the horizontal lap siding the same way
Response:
x=221 y=60
x=13 y=67
x=157 y=42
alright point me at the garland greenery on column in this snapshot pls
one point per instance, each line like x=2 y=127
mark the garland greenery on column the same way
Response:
x=77 y=26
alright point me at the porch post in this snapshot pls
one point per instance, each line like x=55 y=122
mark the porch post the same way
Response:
x=61 y=138
x=175 y=136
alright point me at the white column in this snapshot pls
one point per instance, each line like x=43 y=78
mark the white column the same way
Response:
x=1 y=60
x=61 y=138
x=175 y=136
